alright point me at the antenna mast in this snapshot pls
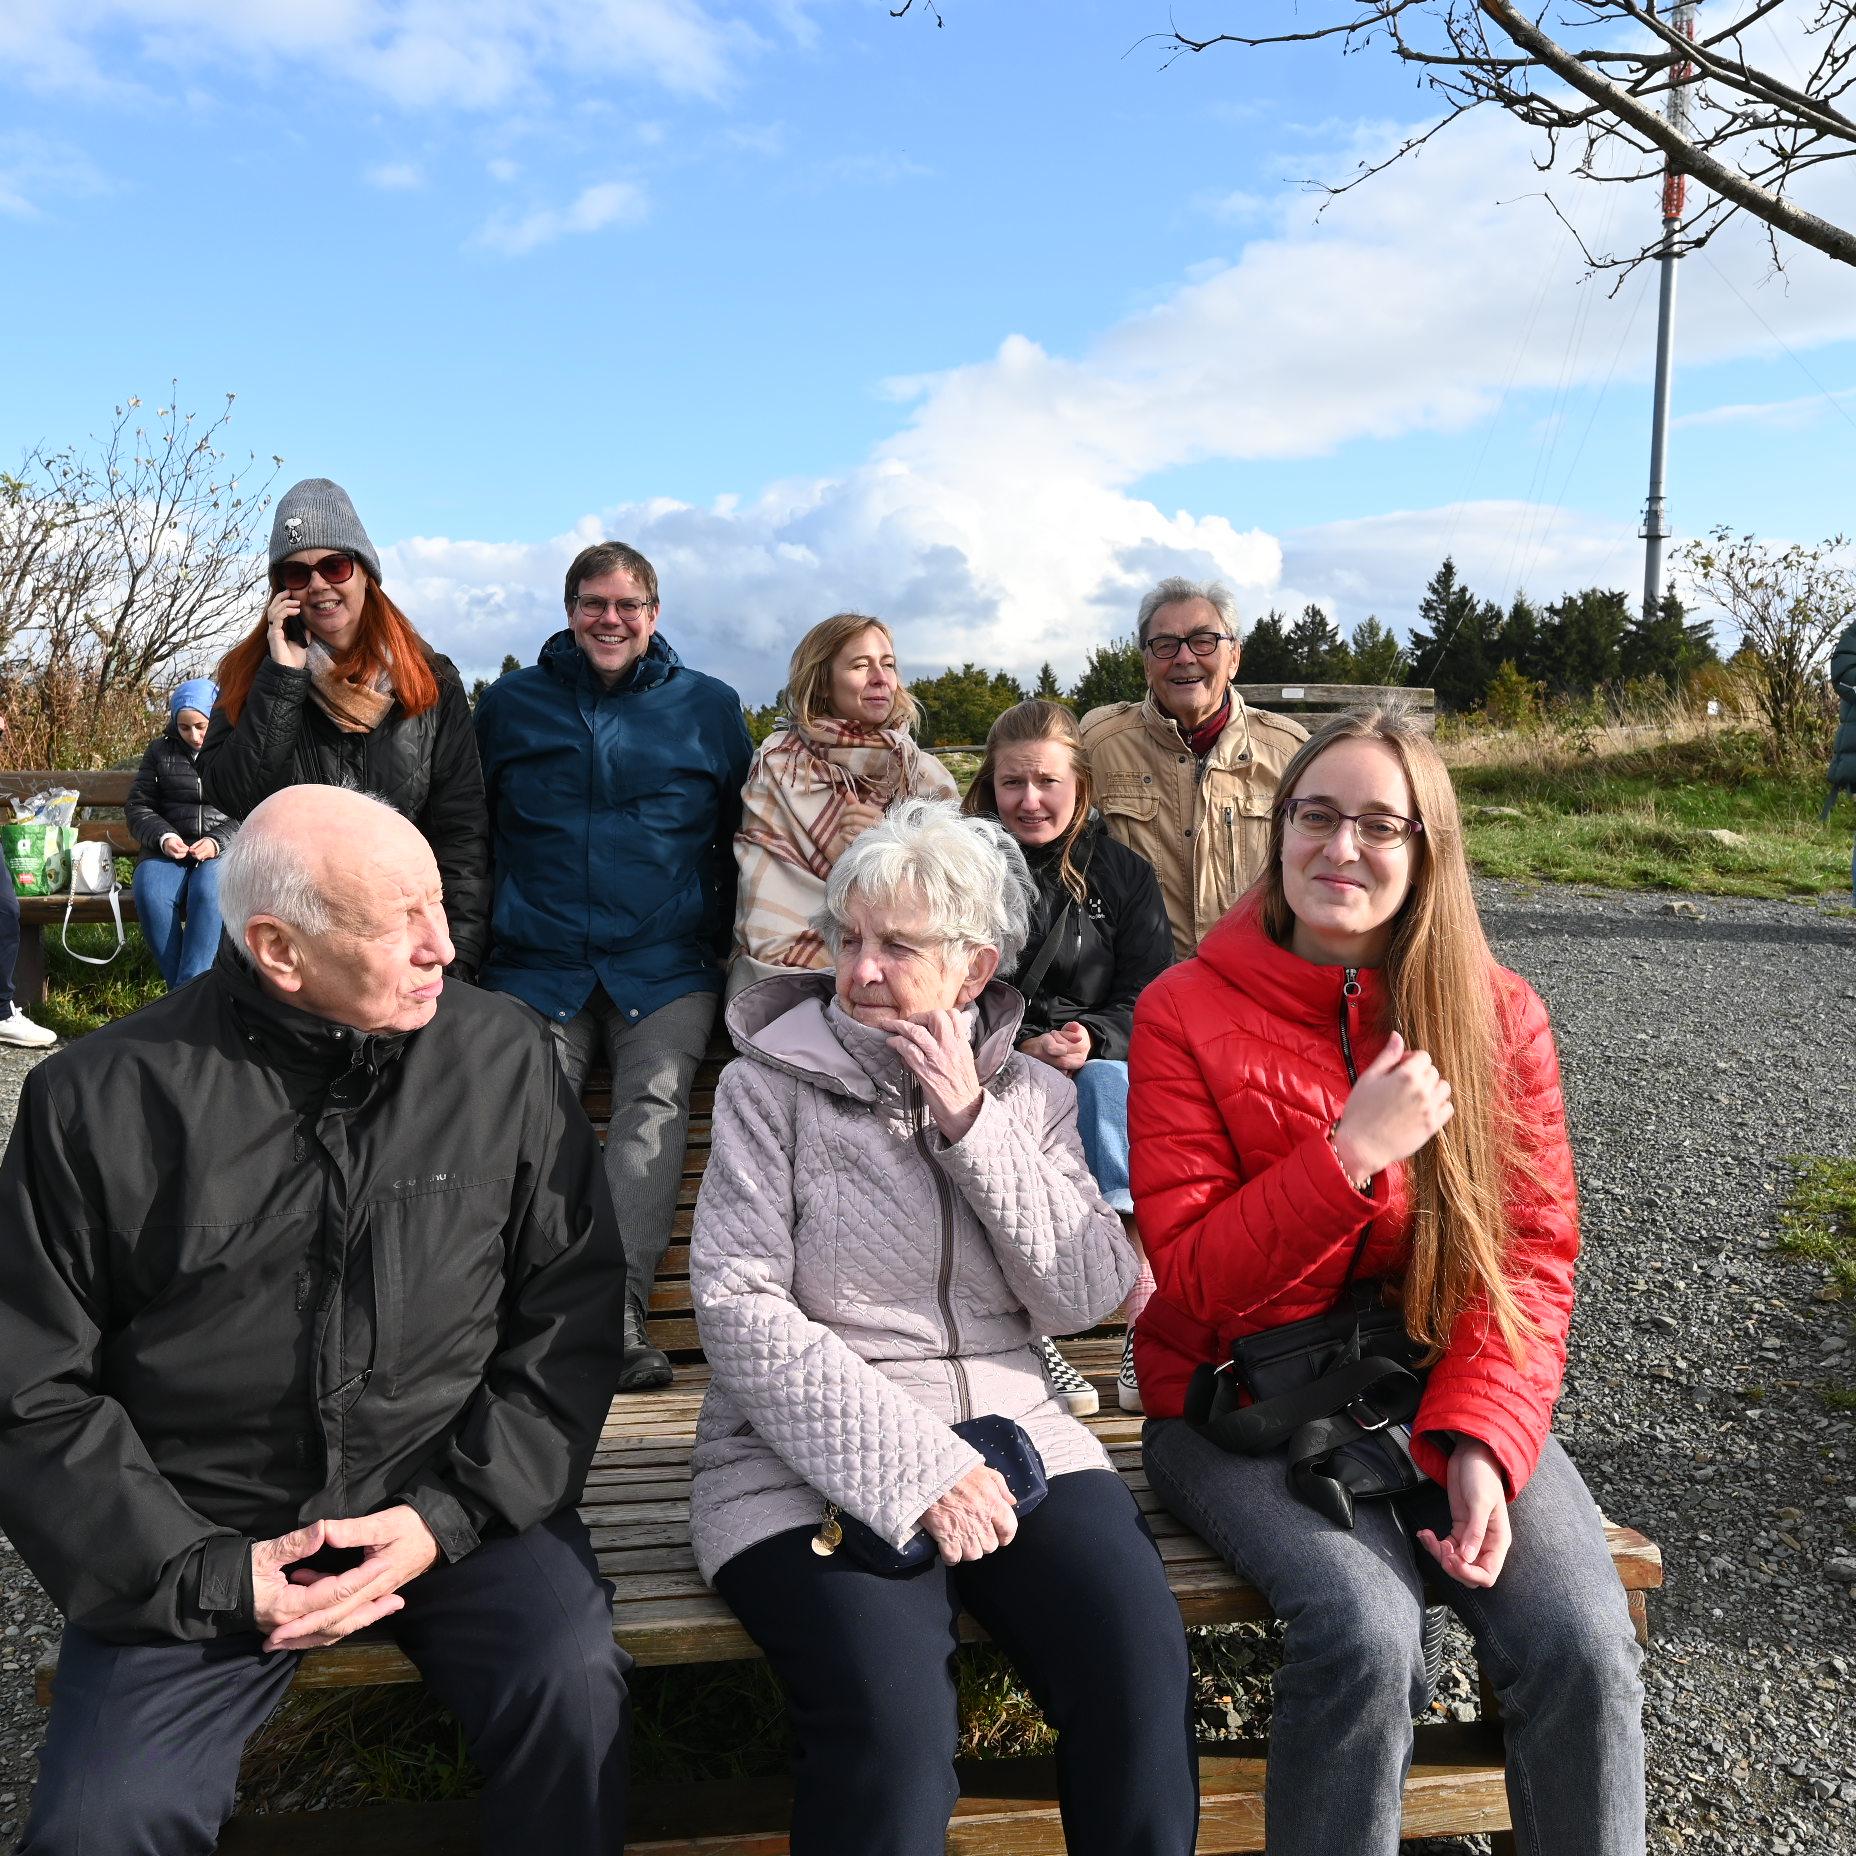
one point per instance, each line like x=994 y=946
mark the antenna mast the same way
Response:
x=1675 y=197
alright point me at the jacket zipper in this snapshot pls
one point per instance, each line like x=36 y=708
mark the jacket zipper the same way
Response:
x=1350 y=991
x=944 y=1276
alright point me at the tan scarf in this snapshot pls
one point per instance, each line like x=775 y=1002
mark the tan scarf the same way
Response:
x=356 y=706
x=792 y=806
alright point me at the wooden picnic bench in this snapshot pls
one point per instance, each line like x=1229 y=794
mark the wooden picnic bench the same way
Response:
x=106 y=791
x=636 y=1506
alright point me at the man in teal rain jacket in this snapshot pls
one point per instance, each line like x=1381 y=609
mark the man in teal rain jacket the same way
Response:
x=613 y=773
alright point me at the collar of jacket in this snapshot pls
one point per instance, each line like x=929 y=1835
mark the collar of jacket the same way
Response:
x=298 y=1040
x=793 y=1022
x=563 y=659
x=1284 y=984
x=1231 y=749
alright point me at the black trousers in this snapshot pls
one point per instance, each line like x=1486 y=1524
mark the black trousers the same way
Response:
x=1078 y=1601
x=141 y=1755
x=9 y=940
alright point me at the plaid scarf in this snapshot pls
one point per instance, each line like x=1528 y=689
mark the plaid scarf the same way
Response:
x=791 y=811
x=354 y=706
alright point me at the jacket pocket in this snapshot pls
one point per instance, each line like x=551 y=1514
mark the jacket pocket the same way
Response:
x=1129 y=796
x=438 y=1261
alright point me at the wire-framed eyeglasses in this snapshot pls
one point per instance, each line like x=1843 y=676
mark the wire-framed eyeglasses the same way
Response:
x=1376 y=831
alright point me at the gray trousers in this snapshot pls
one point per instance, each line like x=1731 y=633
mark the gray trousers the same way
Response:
x=653 y=1063
x=1553 y=1633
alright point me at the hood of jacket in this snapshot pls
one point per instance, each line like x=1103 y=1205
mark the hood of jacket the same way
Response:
x=792 y=1022
x=562 y=657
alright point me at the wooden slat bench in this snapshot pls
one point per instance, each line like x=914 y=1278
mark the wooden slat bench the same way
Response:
x=107 y=791
x=636 y=1505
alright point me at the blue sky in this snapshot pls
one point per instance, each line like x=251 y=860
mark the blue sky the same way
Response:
x=980 y=327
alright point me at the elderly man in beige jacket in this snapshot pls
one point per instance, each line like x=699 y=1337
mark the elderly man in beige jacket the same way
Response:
x=1187 y=777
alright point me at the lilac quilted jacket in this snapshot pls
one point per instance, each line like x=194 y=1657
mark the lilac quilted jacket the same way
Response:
x=861 y=1286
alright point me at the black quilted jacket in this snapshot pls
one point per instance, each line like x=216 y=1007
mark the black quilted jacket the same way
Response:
x=424 y=766
x=167 y=796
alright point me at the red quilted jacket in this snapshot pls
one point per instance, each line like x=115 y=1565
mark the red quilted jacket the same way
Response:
x=1238 y=1068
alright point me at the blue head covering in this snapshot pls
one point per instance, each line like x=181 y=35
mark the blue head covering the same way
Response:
x=198 y=693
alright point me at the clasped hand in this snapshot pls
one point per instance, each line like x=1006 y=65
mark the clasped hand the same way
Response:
x=1065 y=1049
x=974 y=1517
x=1397 y=1105
x=300 y=1610
x=935 y=1051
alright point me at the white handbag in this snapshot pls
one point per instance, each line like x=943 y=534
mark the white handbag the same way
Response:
x=93 y=873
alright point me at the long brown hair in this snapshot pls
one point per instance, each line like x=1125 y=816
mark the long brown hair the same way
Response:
x=1038 y=720
x=808 y=676
x=384 y=640
x=1440 y=987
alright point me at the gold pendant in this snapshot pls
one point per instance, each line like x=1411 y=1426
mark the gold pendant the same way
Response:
x=826 y=1541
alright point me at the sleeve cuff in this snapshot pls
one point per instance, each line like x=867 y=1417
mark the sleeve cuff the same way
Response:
x=225 y=1581
x=444 y=1514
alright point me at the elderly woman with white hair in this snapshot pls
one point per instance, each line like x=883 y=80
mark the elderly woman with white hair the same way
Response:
x=896 y=1206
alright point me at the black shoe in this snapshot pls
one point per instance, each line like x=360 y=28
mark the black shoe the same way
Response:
x=644 y=1366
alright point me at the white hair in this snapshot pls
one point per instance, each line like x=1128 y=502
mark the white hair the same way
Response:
x=1171 y=591
x=968 y=871
x=267 y=871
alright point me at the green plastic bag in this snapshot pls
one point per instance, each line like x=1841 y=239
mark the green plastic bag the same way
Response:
x=35 y=857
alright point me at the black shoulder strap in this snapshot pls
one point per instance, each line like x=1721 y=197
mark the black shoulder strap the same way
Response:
x=1033 y=979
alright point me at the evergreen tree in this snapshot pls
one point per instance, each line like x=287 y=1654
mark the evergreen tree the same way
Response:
x=1319 y=652
x=764 y=720
x=1523 y=640
x=1378 y=657
x=1048 y=688
x=1666 y=644
x=1114 y=673
x=962 y=704
x=1453 y=646
x=1585 y=633
x=1266 y=656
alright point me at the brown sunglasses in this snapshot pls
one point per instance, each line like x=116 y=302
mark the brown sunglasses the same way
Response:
x=293 y=576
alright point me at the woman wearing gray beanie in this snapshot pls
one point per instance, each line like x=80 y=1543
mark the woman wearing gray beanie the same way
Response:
x=334 y=687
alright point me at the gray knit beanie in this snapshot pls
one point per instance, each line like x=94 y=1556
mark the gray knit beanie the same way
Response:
x=317 y=514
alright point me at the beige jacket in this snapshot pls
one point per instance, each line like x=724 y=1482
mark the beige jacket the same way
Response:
x=1203 y=826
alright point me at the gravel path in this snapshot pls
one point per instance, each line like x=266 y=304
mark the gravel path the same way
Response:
x=1702 y=1045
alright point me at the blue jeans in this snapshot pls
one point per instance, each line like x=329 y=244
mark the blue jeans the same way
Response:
x=1553 y=1634
x=178 y=907
x=1102 y=1120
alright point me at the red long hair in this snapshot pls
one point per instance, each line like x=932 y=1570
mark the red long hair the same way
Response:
x=384 y=640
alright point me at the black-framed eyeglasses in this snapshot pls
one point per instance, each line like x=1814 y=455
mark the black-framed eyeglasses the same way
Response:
x=1376 y=831
x=1165 y=645
x=591 y=606
x=293 y=576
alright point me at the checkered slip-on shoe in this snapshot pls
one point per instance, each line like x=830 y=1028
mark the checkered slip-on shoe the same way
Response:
x=1076 y=1395
x=1127 y=1387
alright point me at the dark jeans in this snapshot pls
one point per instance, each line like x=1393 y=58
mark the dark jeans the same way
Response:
x=1553 y=1634
x=177 y=906
x=141 y=1756
x=9 y=940
x=1080 y=1604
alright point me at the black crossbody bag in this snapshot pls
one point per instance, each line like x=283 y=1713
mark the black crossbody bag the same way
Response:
x=1336 y=1393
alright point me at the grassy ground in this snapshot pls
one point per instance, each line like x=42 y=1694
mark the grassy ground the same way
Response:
x=1640 y=819
x=1818 y=1223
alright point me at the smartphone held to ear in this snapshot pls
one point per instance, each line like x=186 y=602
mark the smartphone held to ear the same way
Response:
x=295 y=630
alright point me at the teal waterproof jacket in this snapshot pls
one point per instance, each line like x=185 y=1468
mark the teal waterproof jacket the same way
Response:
x=612 y=824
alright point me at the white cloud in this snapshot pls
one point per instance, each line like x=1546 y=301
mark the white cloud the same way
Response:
x=593 y=209
x=1004 y=519
x=417 y=53
x=1775 y=415
x=34 y=170
x=395 y=177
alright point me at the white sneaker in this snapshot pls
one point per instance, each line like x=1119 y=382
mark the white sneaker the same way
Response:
x=1127 y=1387
x=18 y=1029
x=1073 y=1392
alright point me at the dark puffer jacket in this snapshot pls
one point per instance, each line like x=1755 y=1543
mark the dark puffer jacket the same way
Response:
x=424 y=766
x=167 y=798
x=329 y=1273
x=1843 y=679
x=1113 y=943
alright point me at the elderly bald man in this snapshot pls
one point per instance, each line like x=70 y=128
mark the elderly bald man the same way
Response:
x=311 y=1304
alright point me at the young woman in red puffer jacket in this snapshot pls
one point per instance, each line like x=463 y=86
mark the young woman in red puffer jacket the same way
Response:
x=1343 y=1083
